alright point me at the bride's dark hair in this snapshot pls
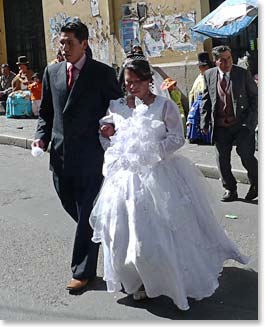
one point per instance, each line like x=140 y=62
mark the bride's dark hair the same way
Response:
x=141 y=68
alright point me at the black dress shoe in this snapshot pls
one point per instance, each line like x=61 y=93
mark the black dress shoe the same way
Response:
x=229 y=196
x=252 y=193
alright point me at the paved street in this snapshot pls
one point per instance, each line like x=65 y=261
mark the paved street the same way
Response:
x=36 y=244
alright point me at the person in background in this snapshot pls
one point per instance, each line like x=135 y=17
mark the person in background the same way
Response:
x=35 y=88
x=76 y=94
x=6 y=78
x=175 y=94
x=204 y=63
x=24 y=76
x=59 y=57
x=230 y=106
x=194 y=134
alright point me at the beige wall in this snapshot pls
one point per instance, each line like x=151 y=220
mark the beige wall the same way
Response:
x=169 y=7
x=99 y=29
x=104 y=29
x=3 y=56
x=179 y=65
x=104 y=33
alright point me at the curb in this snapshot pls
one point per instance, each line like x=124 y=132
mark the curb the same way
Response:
x=212 y=172
x=16 y=141
x=207 y=171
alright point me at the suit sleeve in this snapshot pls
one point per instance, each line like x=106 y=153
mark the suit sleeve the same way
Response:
x=46 y=113
x=206 y=106
x=252 y=94
x=112 y=90
x=108 y=119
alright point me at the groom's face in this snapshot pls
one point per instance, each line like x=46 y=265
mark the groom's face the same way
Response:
x=72 y=49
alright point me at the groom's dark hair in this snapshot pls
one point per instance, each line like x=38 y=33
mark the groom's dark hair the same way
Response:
x=79 y=29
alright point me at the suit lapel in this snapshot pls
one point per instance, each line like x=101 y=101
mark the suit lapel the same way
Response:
x=60 y=82
x=234 y=80
x=235 y=87
x=82 y=83
x=213 y=85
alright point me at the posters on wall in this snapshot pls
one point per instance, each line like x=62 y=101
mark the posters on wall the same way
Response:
x=159 y=33
x=169 y=32
x=94 y=7
x=99 y=42
x=55 y=23
x=129 y=10
x=129 y=33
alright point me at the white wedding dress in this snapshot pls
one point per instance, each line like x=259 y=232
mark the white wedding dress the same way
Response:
x=153 y=214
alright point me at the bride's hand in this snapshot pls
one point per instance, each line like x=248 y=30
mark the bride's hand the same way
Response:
x=107 y=130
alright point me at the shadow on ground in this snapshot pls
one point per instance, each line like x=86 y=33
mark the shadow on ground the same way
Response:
x=235 y=299
x=248 y=201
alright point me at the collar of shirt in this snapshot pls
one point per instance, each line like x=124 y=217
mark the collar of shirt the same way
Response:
x=79 y=64
x=221 y=73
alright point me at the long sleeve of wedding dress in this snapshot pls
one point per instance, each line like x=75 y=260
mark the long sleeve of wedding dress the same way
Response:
x=174 y=130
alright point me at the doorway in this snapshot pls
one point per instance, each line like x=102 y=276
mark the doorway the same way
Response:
x=25 y=33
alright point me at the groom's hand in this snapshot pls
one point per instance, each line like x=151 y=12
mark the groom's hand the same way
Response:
x=107 y=130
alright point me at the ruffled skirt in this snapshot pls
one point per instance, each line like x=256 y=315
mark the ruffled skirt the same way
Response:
x=159 y=229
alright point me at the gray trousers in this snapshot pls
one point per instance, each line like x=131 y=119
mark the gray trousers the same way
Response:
x=244 y=140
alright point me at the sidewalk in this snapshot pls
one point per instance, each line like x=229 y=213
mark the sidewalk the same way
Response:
x=20 y=132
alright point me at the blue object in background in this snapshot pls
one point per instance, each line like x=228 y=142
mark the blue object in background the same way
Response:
x=18 y=104
x=230 y=27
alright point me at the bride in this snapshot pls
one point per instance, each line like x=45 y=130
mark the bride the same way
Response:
x=154 y=214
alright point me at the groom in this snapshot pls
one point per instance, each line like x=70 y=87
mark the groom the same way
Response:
x=76 y=94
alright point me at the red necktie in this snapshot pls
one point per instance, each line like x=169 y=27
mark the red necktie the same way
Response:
x=71 y=78
x=223 y=82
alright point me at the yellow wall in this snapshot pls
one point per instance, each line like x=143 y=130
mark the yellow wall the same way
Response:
x=169 y=7
x=99 y=30
x=3 y=57
x=104 y=29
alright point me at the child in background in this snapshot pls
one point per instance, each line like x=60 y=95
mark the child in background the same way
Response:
x=175 y=95
x=35 y=89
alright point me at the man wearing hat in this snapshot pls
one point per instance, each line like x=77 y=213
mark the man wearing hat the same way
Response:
x=204 y=63
x=24 y=77
x=6 y=78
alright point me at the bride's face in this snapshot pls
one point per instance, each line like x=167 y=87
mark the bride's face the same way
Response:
x=134 y=85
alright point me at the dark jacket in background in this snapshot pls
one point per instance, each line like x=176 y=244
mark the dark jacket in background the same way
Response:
x=244 y=97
